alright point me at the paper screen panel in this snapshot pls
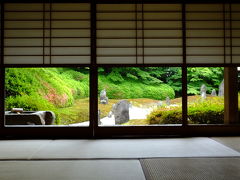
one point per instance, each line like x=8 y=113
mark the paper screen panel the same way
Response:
x=70 y=34
x=235 y=33
x=23 y=33
x=162 y=33
x=205 y=33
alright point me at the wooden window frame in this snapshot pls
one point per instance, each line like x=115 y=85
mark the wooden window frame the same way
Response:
x=94 y=131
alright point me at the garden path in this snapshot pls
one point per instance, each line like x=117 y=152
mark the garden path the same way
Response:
x=134 y=113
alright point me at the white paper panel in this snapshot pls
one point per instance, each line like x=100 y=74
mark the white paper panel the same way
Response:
x=116 y=24
x=23 y=33
x=23 y=51
x=70 y=51
x=116 y=16
x=23 y=7
x=205 y=42
x=23 y=24
x=70 y=33
x=62 y=22
x=205 y=33
x=204 y=24
x=162 y=42
x=204 y=7
x=23 y=15
x=162 y=33
x=162 y=7
x=116 y=33
x=236 y=59
x=236 y=51
x=70 y=42
x=204 y=16
x=23 y=59
x=163 y=51
x=162 y=16
x=236 y=33
x=116 y=60
x=236 y=42
x=205 y=50
x=205 y=59
x=163 y=59
x=116 y=51
x=70 y=59
x=70 y=24
x=23 y=42
x=70 y=7
x=163 y=24
x=115 y=7
x=116 y=42
x=70 y=15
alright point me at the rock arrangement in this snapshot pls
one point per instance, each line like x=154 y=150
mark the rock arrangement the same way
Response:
x=221 y=89
x=103 y=97
x=168 y=101
x=213 y=93
x=203 y=91
x=121 y=111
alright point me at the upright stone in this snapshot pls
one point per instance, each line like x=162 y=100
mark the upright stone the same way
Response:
x=203 y=91
x=121 y=112
x=221 y=89
x=168 y=101
x=213 y=93
x=159 y=103
x=103 y=97
x=99 y=115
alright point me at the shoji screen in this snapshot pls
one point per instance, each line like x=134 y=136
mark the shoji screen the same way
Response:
x=162 y=33
x=23 y=33
x=235 y=17
x=116 y=33
x=205 y=33
x=139 y=33
x=70 y=33
x=44 y=33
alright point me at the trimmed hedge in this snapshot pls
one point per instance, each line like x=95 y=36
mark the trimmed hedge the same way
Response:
x=134 y=89
x=209 y=111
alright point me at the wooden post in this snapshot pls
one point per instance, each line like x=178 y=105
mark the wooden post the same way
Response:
x=230 y=95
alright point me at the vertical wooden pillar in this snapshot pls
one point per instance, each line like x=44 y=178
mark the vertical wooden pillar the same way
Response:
x=230 y=95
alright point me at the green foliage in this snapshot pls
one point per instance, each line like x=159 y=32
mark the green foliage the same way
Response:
x=134 y=89
x=210 y=76
x=45 y=88
x=210 y=111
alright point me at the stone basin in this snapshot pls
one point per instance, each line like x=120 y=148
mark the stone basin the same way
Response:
x=29 y=118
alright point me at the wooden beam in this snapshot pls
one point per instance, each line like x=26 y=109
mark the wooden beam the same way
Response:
x=230 y=95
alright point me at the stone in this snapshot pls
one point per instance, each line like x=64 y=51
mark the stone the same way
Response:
x=213 y=93
x=168 y=101
x=159 y=103
x=203 y=91
x=30 y=118
x=103 y=97
x=99 y=115
x=121 y=111
x=221 y=89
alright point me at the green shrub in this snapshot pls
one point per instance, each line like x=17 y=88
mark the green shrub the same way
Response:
x=134 y=89
x=209 y=111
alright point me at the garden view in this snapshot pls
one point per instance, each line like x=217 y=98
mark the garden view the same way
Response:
x=127 y=95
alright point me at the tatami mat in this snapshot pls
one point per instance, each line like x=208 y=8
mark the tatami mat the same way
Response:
x=192 y=168
x=232 y=142
x=72 y=170
x=117 y=148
